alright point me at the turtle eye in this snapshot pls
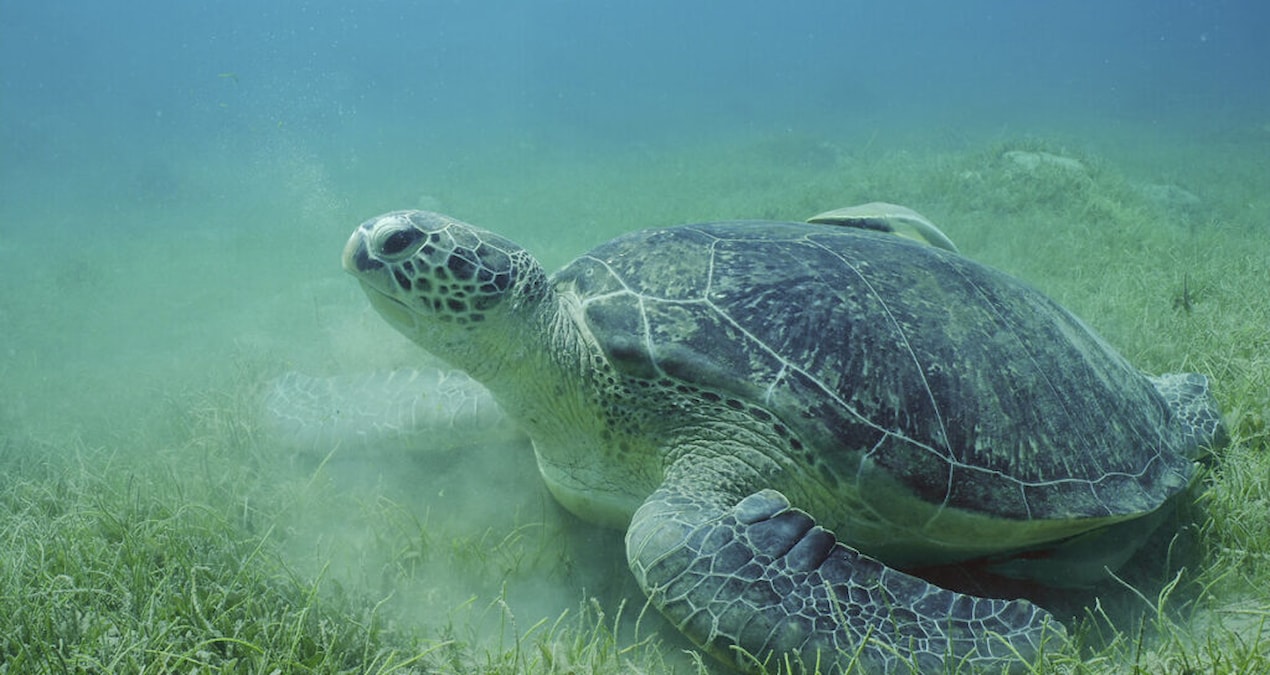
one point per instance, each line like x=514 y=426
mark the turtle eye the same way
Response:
x=396 y=243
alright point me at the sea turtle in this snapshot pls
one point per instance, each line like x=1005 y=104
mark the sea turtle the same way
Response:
x=785 y=416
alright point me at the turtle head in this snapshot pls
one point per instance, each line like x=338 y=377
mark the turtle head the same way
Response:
x=438 y=280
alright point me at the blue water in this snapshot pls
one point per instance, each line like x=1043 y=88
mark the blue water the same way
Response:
x=99 y=82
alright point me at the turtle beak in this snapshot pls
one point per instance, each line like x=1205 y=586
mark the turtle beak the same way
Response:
x=373 y=276
x=357 y=260
x=359 y=263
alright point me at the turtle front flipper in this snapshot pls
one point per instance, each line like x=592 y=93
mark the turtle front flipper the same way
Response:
x=759 y=582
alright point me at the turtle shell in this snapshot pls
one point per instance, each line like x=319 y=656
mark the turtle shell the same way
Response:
x=968 y=387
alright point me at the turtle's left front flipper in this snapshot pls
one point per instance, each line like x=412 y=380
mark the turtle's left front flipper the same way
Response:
x=759 y=581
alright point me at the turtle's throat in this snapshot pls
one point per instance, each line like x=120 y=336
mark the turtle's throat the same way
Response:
x=533 y=359
x=539 y=367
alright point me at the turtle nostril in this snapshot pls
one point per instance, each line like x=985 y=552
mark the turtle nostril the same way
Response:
x=358 y=260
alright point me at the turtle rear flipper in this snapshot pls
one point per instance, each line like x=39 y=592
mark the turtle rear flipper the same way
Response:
x=759 y=582
x=1191 y=400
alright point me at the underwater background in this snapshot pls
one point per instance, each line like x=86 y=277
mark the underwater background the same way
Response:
x=177 y=181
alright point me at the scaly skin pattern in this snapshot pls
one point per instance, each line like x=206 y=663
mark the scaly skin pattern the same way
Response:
x=759 y=581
